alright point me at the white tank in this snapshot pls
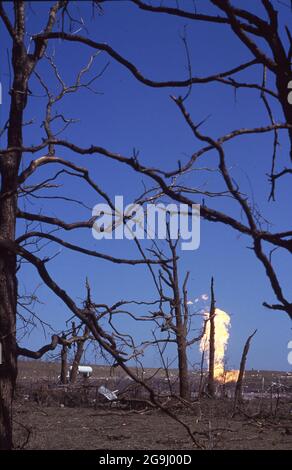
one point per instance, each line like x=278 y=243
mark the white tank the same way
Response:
x=86 y=370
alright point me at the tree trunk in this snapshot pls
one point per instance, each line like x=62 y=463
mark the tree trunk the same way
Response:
x=181 y=333
x=8 y=368
x=76 y=361
x=64 y=364
x=211 y=383
x=201 y=383
x=184 y=389
x=9 y=165
x=238 y=388
x=8 y=298
x=80 y=344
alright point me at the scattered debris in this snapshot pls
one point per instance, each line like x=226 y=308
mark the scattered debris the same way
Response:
x=108 y=393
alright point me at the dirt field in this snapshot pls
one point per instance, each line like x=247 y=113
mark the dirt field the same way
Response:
x=50 y=420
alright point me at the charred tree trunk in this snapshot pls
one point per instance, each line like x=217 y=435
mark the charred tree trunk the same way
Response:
x=76 y=361
x=8 y=368
x=77 y=357
x=22 y=66
x=9 y=165
x=64 y=364
x=238 y=388
x=184 y=389
x=201 y=383
x=211 y=382
x=181 y=333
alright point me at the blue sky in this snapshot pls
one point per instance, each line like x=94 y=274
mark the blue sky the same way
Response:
x=127 y=115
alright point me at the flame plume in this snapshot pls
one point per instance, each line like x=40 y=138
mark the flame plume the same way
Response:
x=222 y=326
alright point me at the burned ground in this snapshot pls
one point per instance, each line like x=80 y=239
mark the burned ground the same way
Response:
x=49 y=416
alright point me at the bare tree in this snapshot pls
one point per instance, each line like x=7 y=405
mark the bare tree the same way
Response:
x=211 y=376
x=13 y=185
x=64 y=364
x=174 y=316
x=175 y=321
x=23 y=65
x=79 y=353
x=238 y=387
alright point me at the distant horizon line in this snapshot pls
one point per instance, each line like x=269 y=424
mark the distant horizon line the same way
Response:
x=29 y=360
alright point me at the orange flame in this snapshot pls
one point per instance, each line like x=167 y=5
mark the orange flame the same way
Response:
x=228 y=376
x=222 y=325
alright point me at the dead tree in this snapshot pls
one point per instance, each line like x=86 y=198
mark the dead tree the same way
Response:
x=201 y=383
x=24 y=61
x=23 y=65
x=64 y=363
x=78 y=354
x=180 y=314
x=81 y=342
x=239 y=382
x=211 y=387
x=174 y=316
